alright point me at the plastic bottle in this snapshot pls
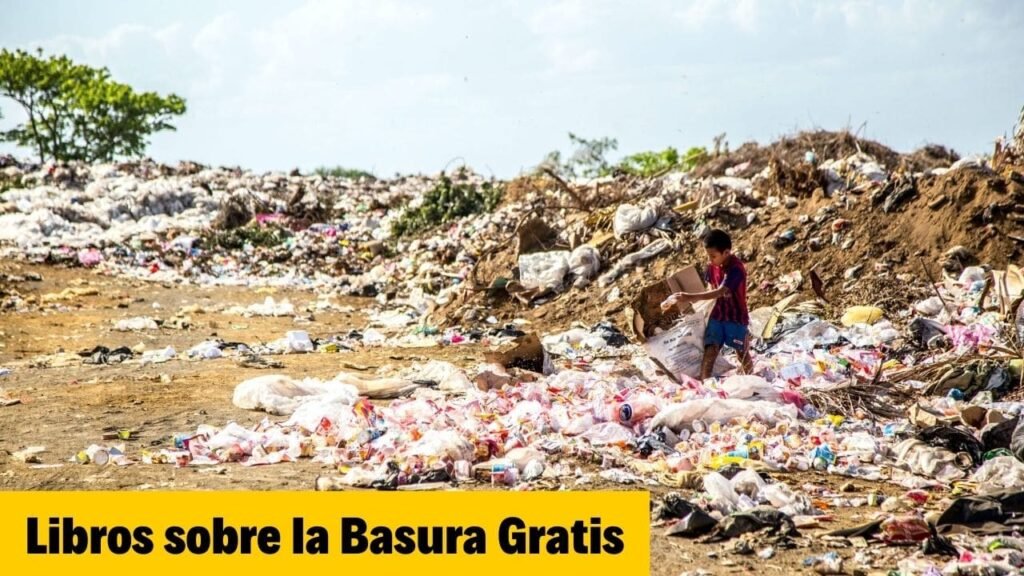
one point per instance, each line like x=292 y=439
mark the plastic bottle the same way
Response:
x=634 y=411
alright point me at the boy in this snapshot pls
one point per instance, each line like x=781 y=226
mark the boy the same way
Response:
x=729 y=316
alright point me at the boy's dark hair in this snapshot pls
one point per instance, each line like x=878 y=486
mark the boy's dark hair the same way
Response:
x=718 y=239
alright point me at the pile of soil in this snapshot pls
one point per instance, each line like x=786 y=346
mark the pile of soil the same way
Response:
x=896 y=249
x=824 y=144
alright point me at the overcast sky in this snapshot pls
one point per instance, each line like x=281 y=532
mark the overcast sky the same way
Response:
x=395 y=85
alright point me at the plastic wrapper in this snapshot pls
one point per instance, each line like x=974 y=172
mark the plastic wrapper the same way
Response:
x=608 y=433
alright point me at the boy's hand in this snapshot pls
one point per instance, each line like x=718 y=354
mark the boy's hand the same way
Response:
x=674 y=300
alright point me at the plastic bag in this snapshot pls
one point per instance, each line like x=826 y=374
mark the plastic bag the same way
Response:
x=206 y=350
x=723 y=496
x=678 y=416
x=630 y=260
x=269 y=307
x=861 y=315
x=543 y=270
x=999 y=473
x=584 y=264
x=749 y=483
x=449 y=377
x=680 y=349
x=294 y=341
x=608 y=433
x=630 y=218
x=750 y=387
x=446 y=445
x=281 y=395
x=929 y=306
x=972 y=276
x=920 y=458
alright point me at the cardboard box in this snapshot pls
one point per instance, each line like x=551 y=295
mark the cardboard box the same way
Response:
x=646 y=307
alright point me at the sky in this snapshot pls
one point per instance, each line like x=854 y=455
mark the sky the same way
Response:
x=401 y=86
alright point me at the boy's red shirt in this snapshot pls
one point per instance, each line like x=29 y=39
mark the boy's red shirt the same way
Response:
x=733 y=306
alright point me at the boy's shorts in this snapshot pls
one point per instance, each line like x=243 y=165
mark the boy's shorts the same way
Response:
x=731 y=334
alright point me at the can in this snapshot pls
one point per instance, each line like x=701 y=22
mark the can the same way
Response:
x=182 y=459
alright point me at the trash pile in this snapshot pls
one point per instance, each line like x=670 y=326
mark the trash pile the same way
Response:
x=844 y=213
x=886 y=323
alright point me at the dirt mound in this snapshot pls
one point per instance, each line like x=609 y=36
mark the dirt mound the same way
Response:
x=931 y=156
x=976 y=209
x=751 y=157
x=867 y=247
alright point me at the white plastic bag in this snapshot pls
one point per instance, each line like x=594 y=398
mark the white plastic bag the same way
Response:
x=723 y=496
x=748 y=482
x=920 y=458
x=929 y=306
x=281 y=395
x=680 y=349
x=630 y=218
x=298 y=341
x=206 y=350
x=678 y=416
x=999 y=473
x=446 y=445
x=608 y=433
x=630 y=260
x=584 y=264
x=544 y=270
x=449 y=377
x=750 y=387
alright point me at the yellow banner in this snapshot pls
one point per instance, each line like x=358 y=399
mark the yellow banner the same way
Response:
x=155 y=533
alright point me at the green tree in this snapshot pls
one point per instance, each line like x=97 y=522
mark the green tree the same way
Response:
x=653 y=163
x=77 y=112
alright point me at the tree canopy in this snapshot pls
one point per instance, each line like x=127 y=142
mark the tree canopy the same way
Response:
x=77 y=112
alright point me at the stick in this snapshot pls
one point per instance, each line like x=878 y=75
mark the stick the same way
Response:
x=565 y=186
x=931 y=280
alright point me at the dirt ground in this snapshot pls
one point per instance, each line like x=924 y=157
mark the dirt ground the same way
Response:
x=67 y=408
